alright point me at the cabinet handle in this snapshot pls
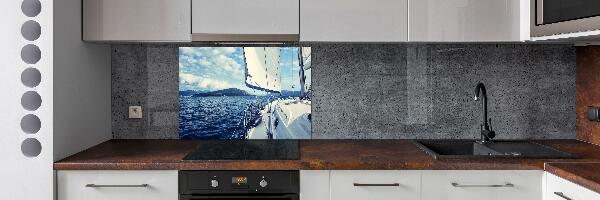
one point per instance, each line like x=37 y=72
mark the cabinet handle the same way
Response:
x=115 y=186
x=376 y=184
x=562 y=195
x=470 y=186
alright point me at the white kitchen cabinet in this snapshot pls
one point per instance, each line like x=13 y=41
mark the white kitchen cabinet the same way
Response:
x=245 y=20
x=117 y=185
x=136 y=20
x=375 y=185
x=353 y=20
x=560 y=189
x=314 y=185
x=468 y=21
x=482 y=185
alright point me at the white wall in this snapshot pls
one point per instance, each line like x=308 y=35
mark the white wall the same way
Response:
x=77 y=74
x=82 y=110
x=24 y=177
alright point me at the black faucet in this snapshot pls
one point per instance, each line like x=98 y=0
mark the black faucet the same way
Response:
x=487 y=134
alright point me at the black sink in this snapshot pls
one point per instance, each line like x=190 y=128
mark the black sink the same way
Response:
x=469 y=149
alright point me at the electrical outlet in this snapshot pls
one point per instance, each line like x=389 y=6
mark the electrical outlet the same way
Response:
x=135 y=112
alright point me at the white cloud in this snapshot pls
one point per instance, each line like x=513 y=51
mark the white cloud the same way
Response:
x=207 y=51
x=228 y=64
x=219 y=60
x=203 y=82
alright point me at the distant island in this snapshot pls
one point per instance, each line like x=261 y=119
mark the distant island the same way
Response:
x=231 y=92
x=218 y=93
x=189 y=92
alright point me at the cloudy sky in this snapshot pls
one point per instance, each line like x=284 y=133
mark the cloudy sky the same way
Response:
x=215 y=68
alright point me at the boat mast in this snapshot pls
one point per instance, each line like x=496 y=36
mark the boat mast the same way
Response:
x=301 y=72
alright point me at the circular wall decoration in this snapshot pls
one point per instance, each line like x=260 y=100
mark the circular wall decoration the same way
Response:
x=31 y=124
x=31 y=8
x=31 y=147
x=31 y=77
x=31 y=100
x=31 y=54
x=31 y=30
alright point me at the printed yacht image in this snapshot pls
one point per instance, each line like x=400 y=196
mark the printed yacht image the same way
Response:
x=245 y=93
x=286 y=117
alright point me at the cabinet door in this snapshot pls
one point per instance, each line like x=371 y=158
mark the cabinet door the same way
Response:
x=314 y=185
x=245 y=20
x=136 y=20
x=375 y=185
x=560 y=189
x=117 y=185
x=468 y=21
x=353 y=20
x=482 y=185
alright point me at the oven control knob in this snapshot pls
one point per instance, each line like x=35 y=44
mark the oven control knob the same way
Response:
x=214 y=183
x=263 y=183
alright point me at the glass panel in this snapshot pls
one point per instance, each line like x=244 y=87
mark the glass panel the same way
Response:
x=561 y=10
x=245 y=93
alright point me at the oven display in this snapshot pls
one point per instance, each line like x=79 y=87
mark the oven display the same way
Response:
x=239 y=180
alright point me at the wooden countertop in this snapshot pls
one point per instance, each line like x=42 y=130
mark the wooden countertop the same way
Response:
x=331 y=155
x=314 y=155
x=584 y=174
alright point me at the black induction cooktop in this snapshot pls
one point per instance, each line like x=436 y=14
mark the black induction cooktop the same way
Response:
x=245 y=150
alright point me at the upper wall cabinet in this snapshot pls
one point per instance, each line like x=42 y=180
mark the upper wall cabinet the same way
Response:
x=136 y=20
x=354 y=20
x=468 y=21
x=245 y=20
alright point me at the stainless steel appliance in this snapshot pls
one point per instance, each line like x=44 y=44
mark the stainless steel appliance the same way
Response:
x=239 y=185
x=552 y=17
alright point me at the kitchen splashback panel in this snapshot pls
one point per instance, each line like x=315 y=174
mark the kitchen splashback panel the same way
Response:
x=239 y=93
x=382 y=91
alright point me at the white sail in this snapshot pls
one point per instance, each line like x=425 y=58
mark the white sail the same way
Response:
x=305 y=64
x=306 y=58
x=262 y=68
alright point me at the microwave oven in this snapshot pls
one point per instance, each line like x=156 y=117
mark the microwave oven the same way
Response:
x=554 y=17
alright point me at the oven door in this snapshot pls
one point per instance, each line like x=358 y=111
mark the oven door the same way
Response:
x=551 y=17
x=241 y=197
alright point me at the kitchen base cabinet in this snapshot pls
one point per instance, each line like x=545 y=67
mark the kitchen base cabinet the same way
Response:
x=314 y=184
x=560 y=189
x=375 y=185
x=117 y=185
x=341 y=185
x=482 y=185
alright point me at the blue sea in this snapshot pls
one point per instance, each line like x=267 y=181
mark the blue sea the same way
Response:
x=216 y=117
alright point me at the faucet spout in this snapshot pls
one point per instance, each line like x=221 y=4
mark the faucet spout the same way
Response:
x=486 y=133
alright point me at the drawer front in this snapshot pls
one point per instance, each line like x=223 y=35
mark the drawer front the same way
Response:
x=560 y=189
x=117 y=185
x=375 y=185
x=314 y=185
x=482 y=185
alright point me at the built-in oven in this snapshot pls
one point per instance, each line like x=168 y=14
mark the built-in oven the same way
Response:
x=552 y=17
x=238 y=185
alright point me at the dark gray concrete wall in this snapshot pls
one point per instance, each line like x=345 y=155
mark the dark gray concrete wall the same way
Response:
x=147 y=76
x=378 y=91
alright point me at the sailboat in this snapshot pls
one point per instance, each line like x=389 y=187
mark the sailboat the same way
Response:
x=283 y=118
